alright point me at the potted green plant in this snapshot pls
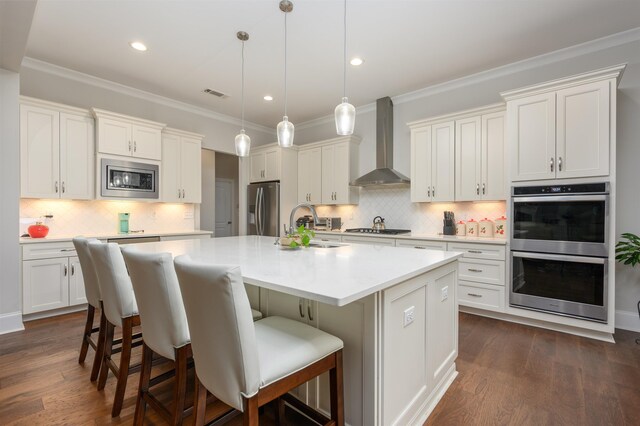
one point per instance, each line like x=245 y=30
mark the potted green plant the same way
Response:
x=628 y=253
x=301 y=237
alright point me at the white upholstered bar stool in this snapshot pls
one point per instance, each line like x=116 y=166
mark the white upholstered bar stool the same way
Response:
x=245 y=364
x=121 y=310
x=164 y=329
x=94 y=300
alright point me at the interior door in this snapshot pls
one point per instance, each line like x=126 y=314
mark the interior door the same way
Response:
x=77 y=163
x=224 y=208
x=442 y=162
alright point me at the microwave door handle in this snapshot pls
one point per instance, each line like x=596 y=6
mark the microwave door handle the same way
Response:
x=560 y=257
x=560 y=198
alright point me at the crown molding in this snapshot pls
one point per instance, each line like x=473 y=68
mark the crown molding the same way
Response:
x=503 y=70
x=46 y=67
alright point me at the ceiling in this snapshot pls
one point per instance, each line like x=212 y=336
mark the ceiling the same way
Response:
x=407 y=45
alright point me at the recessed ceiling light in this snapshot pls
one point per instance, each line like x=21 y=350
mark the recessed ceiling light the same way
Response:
x=356 y=61
x=138 y=45
x=268 y=98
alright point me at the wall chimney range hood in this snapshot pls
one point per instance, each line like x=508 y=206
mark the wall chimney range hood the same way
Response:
x=384 y=174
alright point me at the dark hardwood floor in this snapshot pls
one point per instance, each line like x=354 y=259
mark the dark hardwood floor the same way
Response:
x=508 y=374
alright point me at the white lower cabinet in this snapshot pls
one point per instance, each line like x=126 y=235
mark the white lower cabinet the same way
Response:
x=482 y=296
x=51 y=283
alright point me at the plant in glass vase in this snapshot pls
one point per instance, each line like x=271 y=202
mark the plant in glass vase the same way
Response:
x=301 y=237
x=628 y=253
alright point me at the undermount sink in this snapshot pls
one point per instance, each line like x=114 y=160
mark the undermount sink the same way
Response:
x=324 y=244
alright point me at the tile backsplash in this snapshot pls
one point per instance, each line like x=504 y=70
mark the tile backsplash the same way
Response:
x=99 y=217
x=395 y=206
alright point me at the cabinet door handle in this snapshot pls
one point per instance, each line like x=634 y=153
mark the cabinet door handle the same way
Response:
x=69 y=249
x=179 y=193
x=65 y=270
x=484 y=192
x=429 y=192
x=474 y=270
x=300 y=309
x=474 y=295
x=56 y=185
x=475 y=251
x=559 y=164
x=433 y=191
x=73 y=270
x=477 y=189
x=183 y=193
x=135 y=146
x=551 y=163
x=309 y=312
x=420 y=248
x=63 y=187
x=129 y=146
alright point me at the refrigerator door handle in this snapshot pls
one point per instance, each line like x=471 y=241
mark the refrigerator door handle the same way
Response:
x=263 y=211
x=257 y=211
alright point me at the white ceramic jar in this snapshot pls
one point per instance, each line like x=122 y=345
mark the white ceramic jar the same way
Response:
x=485 y=228
x=500 y=230
x=472 y=228
x=461 y=229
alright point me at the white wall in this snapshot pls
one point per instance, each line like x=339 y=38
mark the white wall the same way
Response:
x=484 y=88
x=10 y=300
x=72 y=88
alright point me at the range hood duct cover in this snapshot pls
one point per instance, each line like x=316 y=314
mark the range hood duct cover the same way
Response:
x=384 y=174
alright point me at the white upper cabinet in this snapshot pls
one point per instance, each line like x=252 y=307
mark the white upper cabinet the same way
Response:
x=128 y=136
x=582 y=135
x=480 y=158
x=56 y=151
x=181 y=166
x=563 y=128
x=532 y=137
x=432 y=162
x=310 y=176
x=265 y=165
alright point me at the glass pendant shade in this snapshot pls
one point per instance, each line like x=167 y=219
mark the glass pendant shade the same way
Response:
x=243 y=144
x=285 y=132
x=345 y=118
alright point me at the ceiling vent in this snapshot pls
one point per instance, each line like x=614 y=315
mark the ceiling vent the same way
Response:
x=215 y=93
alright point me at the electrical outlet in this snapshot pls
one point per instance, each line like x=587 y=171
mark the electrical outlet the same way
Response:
x=409 y=315
x=188 y=214
x=444 y=293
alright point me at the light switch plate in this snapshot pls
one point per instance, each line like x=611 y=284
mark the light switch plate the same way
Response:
x=444 y=293
x=409 y=315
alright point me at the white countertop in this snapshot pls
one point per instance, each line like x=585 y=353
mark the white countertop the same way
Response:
x=412 y=236
x=336 y=276
x=66 y=238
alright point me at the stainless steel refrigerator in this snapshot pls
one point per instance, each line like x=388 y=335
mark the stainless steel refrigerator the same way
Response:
x=263 y=213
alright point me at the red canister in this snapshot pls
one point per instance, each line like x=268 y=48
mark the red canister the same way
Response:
x=39 y=230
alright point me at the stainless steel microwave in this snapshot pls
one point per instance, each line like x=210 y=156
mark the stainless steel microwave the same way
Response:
x=128 y=179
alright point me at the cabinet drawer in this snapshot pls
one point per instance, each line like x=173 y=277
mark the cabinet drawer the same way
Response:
x=48 y=250
x=481 y=296
x=422 y=244
x=479 y=251
x=369 y=240
x=482 y=271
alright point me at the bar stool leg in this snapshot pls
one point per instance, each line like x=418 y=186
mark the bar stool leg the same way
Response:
x=88 y=326
x=145 y=378
x=199 y=403
x=336 y=385
x=106 y=355
x=250 y=416
x=123 y=371
x=180 y=388
x=97 y=360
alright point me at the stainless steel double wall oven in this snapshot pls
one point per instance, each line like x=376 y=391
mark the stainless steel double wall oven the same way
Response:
x=560 y=249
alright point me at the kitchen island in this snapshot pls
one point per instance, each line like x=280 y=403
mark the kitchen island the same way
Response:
x=395 y=309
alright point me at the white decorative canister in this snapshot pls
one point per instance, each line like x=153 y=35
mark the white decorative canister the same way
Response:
x=472 y=228
x=485 y=228
x=500 y=227
x=461 y=229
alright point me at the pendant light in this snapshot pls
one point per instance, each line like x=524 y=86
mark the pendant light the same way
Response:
x=345 y=112
x=243 y=141
x=285 y=127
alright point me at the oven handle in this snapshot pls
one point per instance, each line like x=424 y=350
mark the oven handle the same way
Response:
x=560 y=257
x=562 y=198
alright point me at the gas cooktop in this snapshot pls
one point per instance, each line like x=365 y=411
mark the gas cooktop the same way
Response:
x=376 y=231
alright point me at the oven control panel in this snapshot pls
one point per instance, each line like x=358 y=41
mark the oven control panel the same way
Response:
x=582 y=188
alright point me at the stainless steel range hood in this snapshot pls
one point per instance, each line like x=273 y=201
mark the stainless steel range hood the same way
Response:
x=384 y=174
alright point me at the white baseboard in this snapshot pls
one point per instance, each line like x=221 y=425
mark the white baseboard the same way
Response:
x=11 y=322
x=628 y=321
